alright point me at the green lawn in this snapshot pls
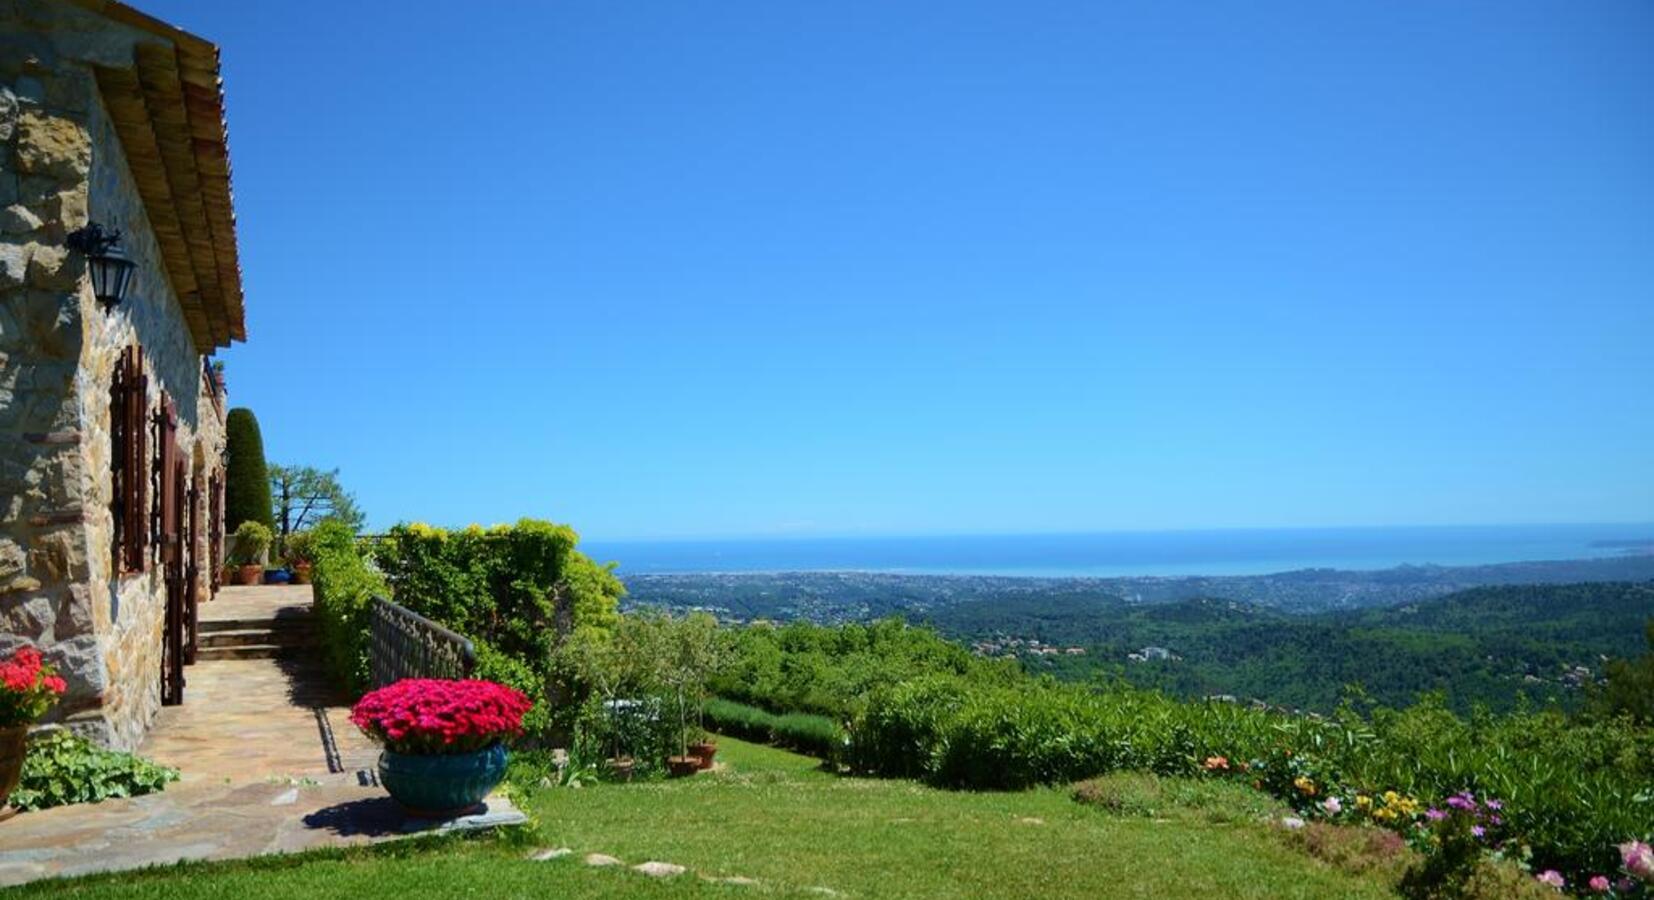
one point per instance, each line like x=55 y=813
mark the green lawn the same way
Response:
x=772 y=816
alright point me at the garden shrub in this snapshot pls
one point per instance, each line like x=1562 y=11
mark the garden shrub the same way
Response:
x=344 y=587
x=246 y=476
x=62 y=768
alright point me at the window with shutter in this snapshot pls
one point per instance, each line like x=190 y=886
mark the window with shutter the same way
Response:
x=128 y=460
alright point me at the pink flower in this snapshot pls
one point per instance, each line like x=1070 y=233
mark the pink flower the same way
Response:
x=1638 y=859
x=1333 y=806
x=433 y=715
x=1599 y=883
x=1553 y=878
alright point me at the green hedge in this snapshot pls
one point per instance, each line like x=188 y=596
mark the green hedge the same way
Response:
x=806 y=732
x=499 y=586
x=344 y=586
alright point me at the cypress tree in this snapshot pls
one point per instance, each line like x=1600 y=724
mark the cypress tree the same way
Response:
x=246 y=478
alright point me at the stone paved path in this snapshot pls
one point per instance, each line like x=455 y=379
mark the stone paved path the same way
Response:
x=269 y=762
x=259 y=718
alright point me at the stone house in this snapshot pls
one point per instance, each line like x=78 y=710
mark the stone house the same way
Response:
x=111 y=418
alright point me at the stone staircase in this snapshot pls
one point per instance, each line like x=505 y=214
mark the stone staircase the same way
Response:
x=285 y=635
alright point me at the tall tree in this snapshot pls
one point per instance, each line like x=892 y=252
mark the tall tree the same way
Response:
x=304 y=495
x=246 y=479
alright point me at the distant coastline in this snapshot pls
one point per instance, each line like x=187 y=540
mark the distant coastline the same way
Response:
x=1172 y=554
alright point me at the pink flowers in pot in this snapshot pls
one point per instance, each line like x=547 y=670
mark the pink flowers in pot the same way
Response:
x=28 y=687
x=434 y=716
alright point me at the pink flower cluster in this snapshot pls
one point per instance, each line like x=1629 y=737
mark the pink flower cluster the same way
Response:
x=1637 y=859
x=28 y=687
x=429 y=716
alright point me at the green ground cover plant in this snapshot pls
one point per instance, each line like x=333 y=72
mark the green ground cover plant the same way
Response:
x=63 y=768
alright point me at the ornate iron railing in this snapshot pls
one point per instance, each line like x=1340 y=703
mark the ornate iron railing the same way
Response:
x=405 y=644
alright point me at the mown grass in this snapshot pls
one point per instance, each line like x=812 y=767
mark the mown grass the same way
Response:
x=777 y=817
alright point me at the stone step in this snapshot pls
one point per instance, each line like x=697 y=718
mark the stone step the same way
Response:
x=244 y=651
x=252 y=636
x=301 y=623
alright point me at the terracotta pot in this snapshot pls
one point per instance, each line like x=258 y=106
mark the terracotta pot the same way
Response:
x=301 y=572
x=704 y=751
x=621 y=769
x=14 y=742
x=252 y=574
x=682 y=766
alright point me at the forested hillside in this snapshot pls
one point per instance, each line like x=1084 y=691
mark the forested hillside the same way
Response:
x=1489 y=645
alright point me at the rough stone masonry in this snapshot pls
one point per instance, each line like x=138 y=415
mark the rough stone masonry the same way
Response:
x=61 y=165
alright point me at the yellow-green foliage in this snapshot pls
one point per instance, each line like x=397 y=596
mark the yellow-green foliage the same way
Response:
x=500 y=586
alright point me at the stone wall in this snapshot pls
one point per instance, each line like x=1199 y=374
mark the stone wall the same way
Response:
x=61 y=164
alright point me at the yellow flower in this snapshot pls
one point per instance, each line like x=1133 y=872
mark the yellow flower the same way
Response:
x=1363 y=802
x=1304 y=785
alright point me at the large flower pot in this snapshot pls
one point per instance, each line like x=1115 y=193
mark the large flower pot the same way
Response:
x=704 y=751
x=13 y=745
x=301 y=573
x=682 y=766
x=445 y=786
x=251 y=574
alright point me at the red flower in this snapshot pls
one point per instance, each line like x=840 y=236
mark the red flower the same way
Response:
x=28 y=687
x=435 y=716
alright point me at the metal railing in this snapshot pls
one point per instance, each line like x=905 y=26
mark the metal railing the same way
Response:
x=405 y=644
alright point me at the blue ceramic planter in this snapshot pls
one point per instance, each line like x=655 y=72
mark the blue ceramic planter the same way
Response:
x=441 y=786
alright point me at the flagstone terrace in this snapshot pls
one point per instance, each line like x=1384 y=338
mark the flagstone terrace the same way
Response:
x=268 y=759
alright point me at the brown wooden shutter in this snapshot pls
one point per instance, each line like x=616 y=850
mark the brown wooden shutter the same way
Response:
x=165 y=517
x=129 y=457
x=215 y=528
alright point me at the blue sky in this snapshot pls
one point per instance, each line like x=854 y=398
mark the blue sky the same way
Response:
x=667 y=269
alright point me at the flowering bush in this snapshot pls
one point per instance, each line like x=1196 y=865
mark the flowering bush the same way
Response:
x=433 y=716
x=28 y=687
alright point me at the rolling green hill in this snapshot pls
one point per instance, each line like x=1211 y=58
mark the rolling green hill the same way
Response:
x=1491 y=645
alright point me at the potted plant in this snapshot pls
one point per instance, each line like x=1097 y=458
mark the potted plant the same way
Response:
x=682 y=766
x=252 y=539
x=28 y=687
x=444 y=740
x=692 y=654
x=703 y=747
x=299 y=550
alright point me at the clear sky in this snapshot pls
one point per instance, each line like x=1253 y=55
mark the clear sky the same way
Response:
x=757 y=268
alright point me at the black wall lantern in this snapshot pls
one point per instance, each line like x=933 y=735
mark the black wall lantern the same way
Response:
x=111 y=271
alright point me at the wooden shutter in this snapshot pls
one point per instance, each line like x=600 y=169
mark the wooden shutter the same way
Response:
x=129 y=457
x=215 y=528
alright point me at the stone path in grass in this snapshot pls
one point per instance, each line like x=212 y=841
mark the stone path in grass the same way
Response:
x=658 y=869
x=269 y=762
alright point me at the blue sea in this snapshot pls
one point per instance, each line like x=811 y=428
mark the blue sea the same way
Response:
x=1216 y=552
